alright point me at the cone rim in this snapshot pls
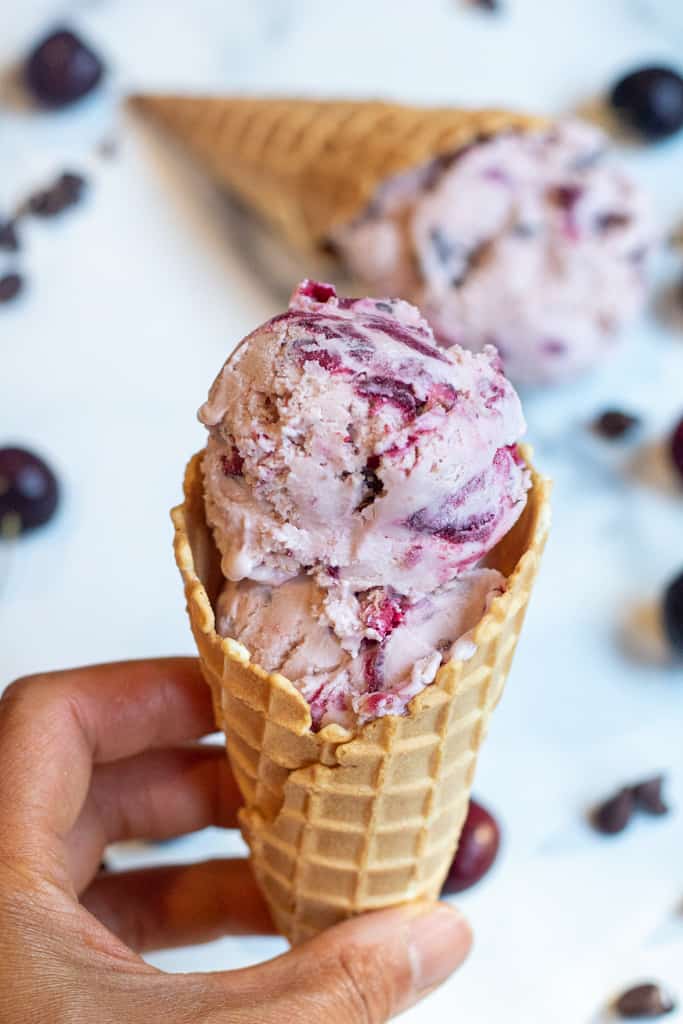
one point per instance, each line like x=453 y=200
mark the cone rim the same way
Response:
x=502 y=606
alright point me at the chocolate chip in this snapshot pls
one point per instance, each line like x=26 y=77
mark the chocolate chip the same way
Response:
x=648 y=1000
x=488 y=5
x=648 y=795
x=614 y=423
x=8 y=236
x=384 y=307
x=10 y=286
x=609 y=221
x=444 y=249
x=373 y=484
x=65 y=192
x=612 y=816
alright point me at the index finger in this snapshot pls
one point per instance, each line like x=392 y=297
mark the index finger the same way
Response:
x=55 y=726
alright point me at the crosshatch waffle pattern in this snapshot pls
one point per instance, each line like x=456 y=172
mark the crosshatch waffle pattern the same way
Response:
x=308 y=166
x=336 y=823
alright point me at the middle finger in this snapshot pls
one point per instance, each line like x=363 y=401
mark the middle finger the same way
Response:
x=155 y=795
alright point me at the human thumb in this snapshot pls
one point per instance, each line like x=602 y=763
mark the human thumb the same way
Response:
x=363 y=971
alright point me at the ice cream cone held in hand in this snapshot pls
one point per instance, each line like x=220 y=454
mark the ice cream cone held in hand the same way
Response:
x=358 y=543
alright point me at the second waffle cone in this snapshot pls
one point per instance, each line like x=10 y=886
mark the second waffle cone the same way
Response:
x=309 y=166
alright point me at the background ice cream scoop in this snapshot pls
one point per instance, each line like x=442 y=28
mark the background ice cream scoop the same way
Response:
x=532 y=242
x=343 y=442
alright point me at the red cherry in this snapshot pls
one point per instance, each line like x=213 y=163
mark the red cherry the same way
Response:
x=477 y=850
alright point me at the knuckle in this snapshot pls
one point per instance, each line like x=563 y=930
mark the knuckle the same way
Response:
x=367 y=987
x=21 y=692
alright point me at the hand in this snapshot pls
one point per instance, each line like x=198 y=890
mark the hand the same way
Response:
x=101 y=754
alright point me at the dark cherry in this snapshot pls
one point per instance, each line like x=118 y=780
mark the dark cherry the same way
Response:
x=9 y=240
x=565 y=196
x=319 y=291
x=651 y=101
x=29 y=492
x=677 y=448
x=477 y=850
x=373 y=668
x=10 y=286
x=62 y=69
x=673 y=614
x=232 y=464
x=382 y=390
x=613 y=423
x=646 y=1001
x=382 y=610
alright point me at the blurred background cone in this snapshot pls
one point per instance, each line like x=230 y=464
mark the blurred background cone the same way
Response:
x=340 y=823
x=309 y=166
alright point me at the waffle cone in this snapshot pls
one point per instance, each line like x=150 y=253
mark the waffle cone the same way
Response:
x=309 y=166
x=340 y=823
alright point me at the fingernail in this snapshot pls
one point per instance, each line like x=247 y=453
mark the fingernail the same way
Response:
x=439 y=940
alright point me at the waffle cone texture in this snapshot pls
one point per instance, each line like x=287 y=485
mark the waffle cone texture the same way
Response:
x=338 y=822
x=309 y=166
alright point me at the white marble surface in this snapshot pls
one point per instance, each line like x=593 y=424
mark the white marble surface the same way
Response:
x=134 y=301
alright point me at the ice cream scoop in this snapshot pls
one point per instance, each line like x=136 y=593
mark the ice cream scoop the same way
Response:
x=354 y=475
x=344 y=443
x=288 y=630
x=533 y=242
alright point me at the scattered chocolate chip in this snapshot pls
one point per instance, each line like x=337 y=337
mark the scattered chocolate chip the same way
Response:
x=8 y=236
x=10 y=286
x=648 y=795
x=62 y=69
x=673 y=614
x=103 y=866
x=477 y=849
x=647 y=1001
x=29 y=491
x=612 y=816
x=614 y=423
x=487 y=5
x=651 y=101
x=384 y=307
x=677 y=448
x=65 y=192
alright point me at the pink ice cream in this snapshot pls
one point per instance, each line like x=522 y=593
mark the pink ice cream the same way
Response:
x=287 y=630
x=532 y=243
x=355 y=475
